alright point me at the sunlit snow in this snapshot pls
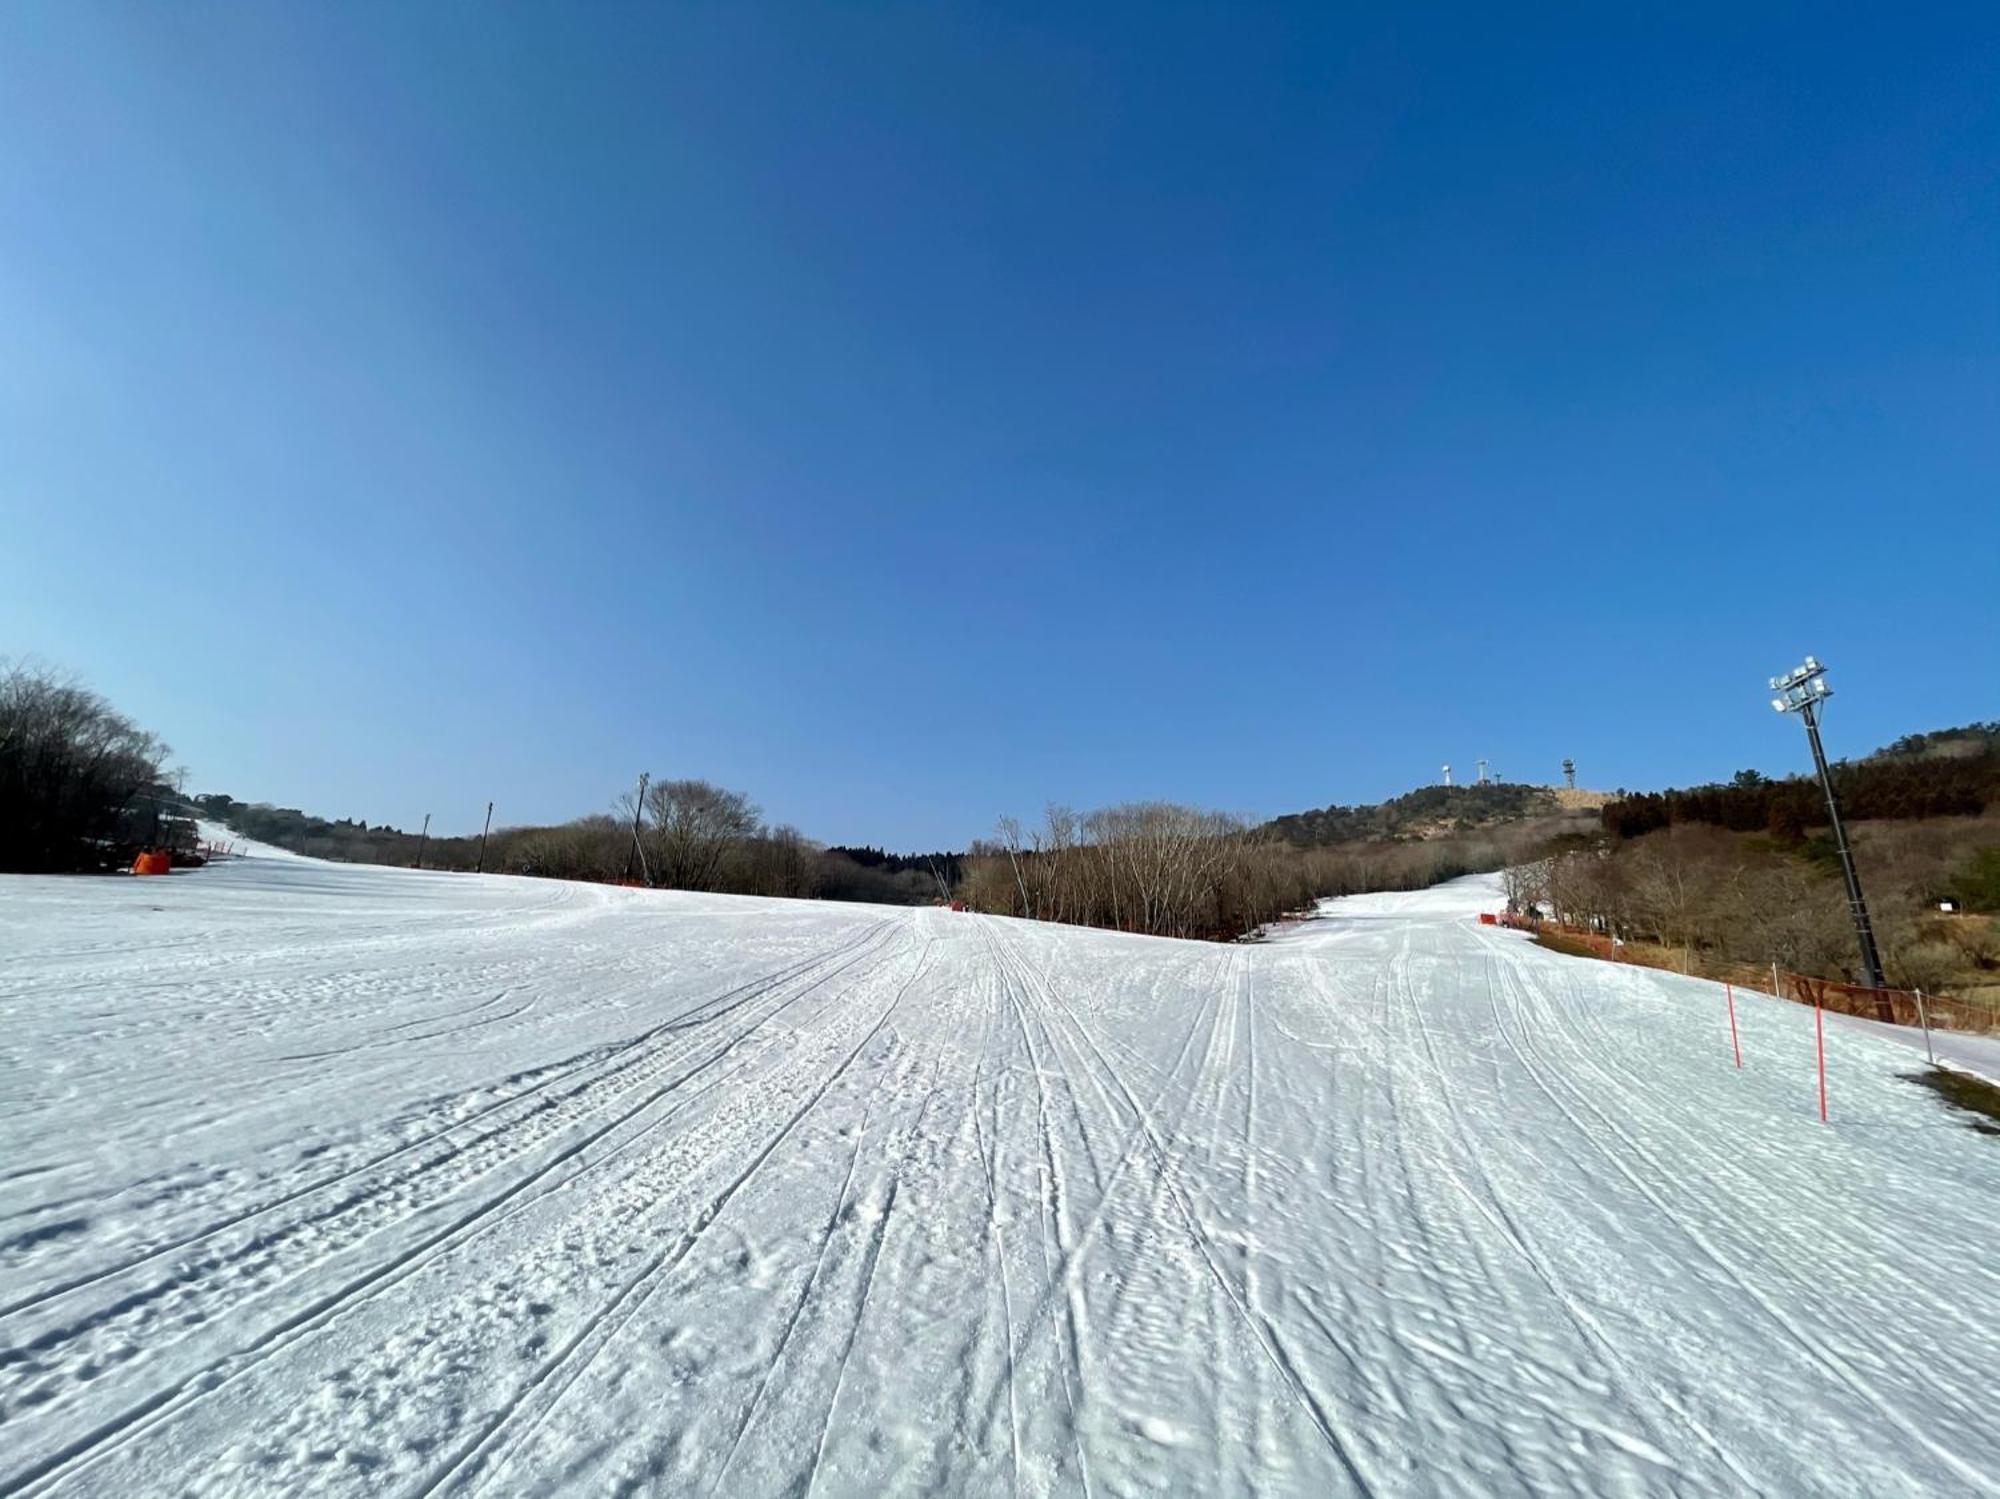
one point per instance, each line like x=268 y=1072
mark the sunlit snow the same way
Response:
x=325 y=1179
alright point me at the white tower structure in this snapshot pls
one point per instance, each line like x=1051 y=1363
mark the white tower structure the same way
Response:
x=1447 y=775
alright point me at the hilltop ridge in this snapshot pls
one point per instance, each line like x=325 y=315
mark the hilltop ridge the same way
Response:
x=1430 y=812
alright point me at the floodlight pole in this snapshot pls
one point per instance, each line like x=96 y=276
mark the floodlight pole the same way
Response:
x=1857 y=904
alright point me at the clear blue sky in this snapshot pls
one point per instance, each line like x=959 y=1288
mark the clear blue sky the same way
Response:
x=909 y=414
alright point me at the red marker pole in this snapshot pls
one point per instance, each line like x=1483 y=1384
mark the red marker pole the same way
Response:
x=1730 y=994
x=1819 y=1043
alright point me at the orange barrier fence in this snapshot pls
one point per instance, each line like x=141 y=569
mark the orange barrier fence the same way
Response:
x=1897 y=1006
x=1604 y=947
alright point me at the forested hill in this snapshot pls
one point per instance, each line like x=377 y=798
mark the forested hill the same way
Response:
x=694 y=836
x=1427 y=812
x=1946 y=773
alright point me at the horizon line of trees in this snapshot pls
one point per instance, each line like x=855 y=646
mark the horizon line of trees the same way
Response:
x=1170 y=870
x=1948 y=773
x=690 y=835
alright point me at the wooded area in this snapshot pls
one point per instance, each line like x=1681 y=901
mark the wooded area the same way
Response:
x=1426 y=811
x=1950 y=773
x=81 y=785
x=693 y=835
x=1715 y=898
x=1746 y=872
x=1179 y=871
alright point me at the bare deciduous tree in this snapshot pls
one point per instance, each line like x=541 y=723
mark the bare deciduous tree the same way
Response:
x=72 y=771
x=690 y=827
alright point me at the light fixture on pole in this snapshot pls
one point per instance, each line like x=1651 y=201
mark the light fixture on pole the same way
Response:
x=1802 y=690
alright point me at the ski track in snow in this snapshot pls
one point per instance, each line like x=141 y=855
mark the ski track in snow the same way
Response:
x=319 y=1179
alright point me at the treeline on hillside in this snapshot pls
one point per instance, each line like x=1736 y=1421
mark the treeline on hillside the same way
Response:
x=1178 y=871
x=870 y=874
x=345 y=839
x=1951 y=773
x=82 y=787
x=1716 y=897
x=1418 y=813
x=687 y=835
x=1747 y=872
x=690 y=835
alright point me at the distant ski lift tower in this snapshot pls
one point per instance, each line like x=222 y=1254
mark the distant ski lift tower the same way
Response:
x=1482 y=771
x=1447 y=775
x=1569 y=773
x=1802 y=690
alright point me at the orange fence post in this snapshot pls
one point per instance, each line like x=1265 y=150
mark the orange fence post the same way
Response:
x=1730 y=994
x=1819 y=1045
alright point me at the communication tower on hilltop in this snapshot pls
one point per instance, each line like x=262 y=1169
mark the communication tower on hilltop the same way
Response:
x=1569 y=773
x=1447 y=775
x=1482 y=771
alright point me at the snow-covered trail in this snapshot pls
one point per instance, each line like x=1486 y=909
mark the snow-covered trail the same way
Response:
x=330 y=1179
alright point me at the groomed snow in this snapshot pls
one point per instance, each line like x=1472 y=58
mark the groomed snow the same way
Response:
x=323 y=1179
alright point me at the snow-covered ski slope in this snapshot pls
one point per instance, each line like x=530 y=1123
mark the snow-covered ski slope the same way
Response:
x=319 y=1179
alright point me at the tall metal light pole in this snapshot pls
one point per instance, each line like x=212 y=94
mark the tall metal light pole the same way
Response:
x=638 y=811
x=1801 y=691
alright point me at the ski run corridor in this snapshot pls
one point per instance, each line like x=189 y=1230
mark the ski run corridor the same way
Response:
x=325 y=1179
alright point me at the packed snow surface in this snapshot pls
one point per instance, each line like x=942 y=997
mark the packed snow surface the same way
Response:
x=321 y=1179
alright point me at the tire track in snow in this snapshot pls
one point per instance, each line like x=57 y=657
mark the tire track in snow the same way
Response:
x=798 y=1306
x=175 y=1399
x=1051 y=1210
x=572 y=1359
x=998 y=1254
x=135 y=1319
x=720 y=1007
x=1771 y=1230
x=1089 y=1234
x=1493 y=1208
x=873 y=1256
x=1251 y=1246
x=1064 y=1280
x=1827 y=1360
x=1261 y=1328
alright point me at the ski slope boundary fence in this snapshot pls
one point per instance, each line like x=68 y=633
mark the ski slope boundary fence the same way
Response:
x=1896 y=1006
x=1608 y=948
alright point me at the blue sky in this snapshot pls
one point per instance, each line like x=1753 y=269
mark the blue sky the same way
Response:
x=909 y=414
